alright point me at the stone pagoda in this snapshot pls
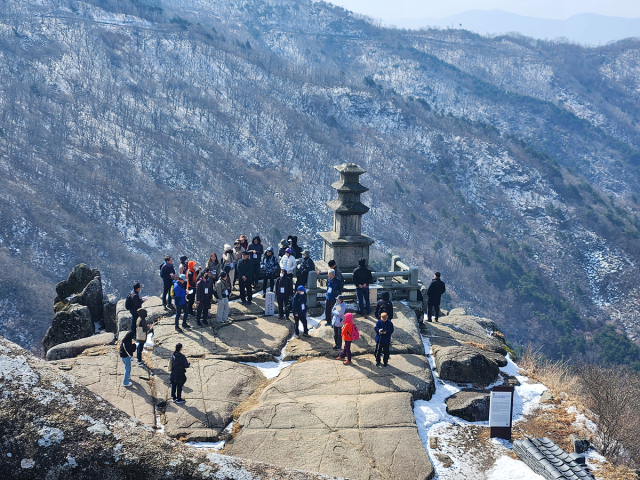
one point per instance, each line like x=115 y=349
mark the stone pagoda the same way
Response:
x=346 y=244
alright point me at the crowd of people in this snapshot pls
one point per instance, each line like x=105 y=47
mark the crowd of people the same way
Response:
x=251 y=267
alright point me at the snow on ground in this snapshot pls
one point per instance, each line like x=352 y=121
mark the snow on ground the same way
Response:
x=507 y=468
x=457 y=437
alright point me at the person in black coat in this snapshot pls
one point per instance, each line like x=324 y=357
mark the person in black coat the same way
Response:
x=305 y=267
x=434 y=293
x=167 y=271
x=284 y=290
x=135 y=305
x=256 y=250
x=384 y=305
x=362 y=278
x=127 y=349
x=383 y=329
x=178 y=375
x=245 y=278
x=204 y=294
x=292 y=240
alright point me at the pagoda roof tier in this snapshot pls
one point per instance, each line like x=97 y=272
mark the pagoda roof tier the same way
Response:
x=348 y=208
x=350 y=168
x=352 y=187
x=333 y=239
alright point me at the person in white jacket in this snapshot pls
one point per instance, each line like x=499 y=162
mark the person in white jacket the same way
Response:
x=337 y=320
x=288 y=263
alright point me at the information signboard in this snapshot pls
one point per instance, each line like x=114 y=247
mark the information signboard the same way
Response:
x=501 y=411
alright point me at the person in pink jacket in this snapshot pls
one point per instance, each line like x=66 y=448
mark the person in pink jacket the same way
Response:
x=347 y=331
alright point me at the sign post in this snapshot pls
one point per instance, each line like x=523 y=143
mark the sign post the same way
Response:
x=501 y=411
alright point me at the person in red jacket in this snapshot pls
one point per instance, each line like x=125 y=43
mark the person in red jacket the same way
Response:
x=347 y=332
x=192 y=282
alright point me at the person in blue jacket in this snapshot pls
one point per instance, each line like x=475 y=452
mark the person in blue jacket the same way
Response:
x=180 y=293
x=334 y=288
x=299 y=308
x=383 y=329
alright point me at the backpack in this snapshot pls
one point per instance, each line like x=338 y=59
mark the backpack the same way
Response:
x=161 y=268
x=171 y=294
x=128 y=303
x=170 y=367
x=355 y=333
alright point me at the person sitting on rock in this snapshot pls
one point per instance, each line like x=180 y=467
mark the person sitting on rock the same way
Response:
x=337 y=320
x=142 y=330
x=204 y=294
x=270 y=270
x=299 y=308
x=284 y=290
x=434 y=292
x=384 y=305
x=305 y=267
x=178 y=377
x=180 y=293
x=223 y=289
x=347 y=332
x=135 y=303
x=383 y=329
x=127 y=349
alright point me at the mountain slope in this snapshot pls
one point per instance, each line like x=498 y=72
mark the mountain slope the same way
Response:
x=130 y=129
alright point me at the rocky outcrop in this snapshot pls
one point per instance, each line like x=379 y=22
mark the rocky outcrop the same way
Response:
x=76 y=347
x=109 y=305
x=470 y=405
x=52 y=427
x=71 y=323
x=462 y=363
x=353 y=421
x=83 y=288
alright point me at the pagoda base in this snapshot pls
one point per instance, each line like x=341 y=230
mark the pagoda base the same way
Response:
x=346 y=251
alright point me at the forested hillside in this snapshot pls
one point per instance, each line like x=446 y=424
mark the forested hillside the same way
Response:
x=132 y=128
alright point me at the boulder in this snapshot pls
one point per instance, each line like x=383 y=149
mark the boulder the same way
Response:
x=109 y=313
x=463 y=363
x=467 y=329
x=76 y=347
x=55 y=428
x=76 y=282
x=470 y=405
x=91 y=297
x=72 y=323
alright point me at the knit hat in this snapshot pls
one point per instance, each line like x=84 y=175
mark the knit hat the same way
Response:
x=305 y=253
x=227 y=246
x=348 y=317
x=301 y=289
x=288 y=250
x=269 y=249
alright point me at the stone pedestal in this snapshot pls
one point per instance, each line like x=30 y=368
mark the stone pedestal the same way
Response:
x=346 y=244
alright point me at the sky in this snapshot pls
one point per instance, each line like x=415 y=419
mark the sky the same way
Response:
x=389 y=10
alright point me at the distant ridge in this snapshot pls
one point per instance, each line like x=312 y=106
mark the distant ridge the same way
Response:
x=585 y=28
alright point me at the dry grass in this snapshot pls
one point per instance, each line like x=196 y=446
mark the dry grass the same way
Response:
x=554 y=423
x=556 y=376
x=480 y=346
x=608 y=471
